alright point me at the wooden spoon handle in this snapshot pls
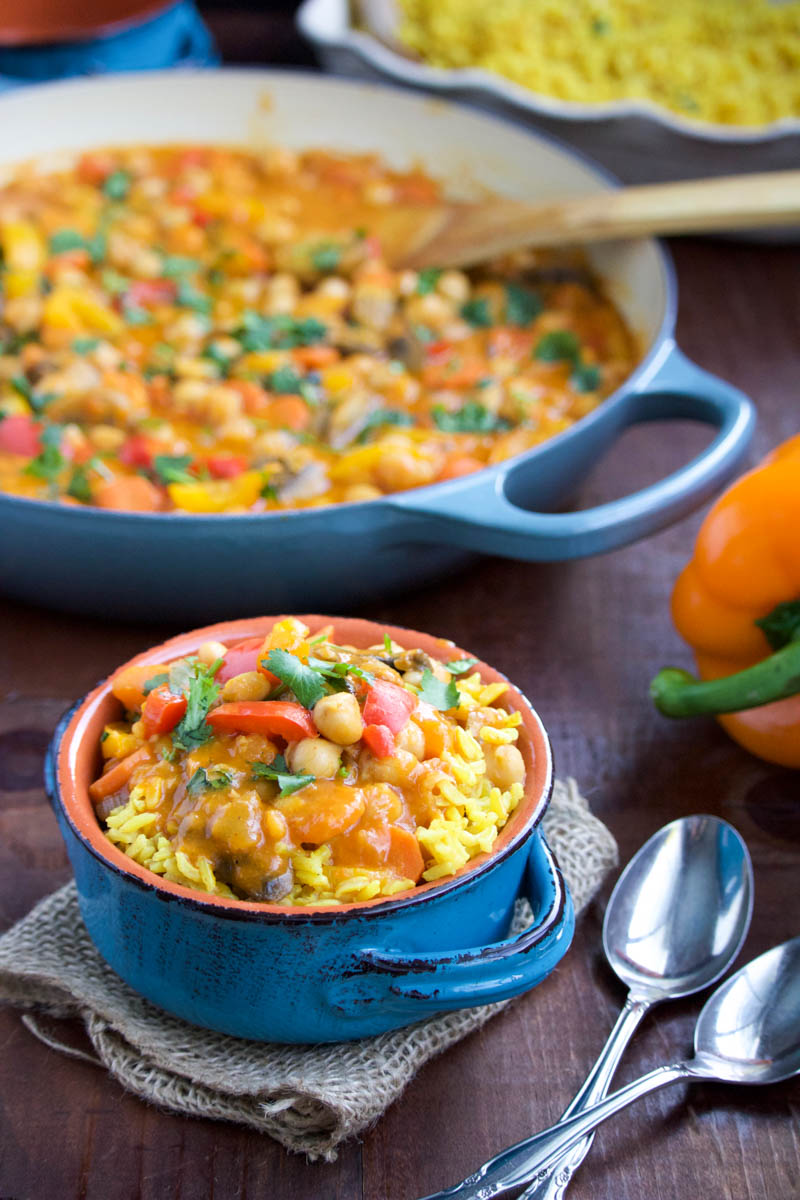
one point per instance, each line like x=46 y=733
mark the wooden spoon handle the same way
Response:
x=464 y=234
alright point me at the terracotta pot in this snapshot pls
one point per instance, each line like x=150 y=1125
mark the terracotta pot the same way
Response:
x=28 y=22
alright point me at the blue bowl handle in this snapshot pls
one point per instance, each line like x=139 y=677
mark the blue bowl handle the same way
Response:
x=476 y=513
x=420 y=984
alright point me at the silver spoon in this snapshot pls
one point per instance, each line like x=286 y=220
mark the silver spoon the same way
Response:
x=674 y=923
x=747 y=1032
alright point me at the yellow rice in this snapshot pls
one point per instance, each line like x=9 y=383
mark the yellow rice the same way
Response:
x=472 y=812
x=732 y=62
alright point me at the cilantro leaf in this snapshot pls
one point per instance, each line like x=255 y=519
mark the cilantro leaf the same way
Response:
x=279 y=332
x=285 y=381
x=384 y=416
x=585 y=378
x=443 y=696
x=427 y=280
x=188 y=296
x=78 y=486
x=172 y=468
x=335 y=672
x=387 y=643
x=38 y=401
x=279 y=772
x=782 y=625
x=49 y=464
x=461 y=666
x=477 y=312
x=117 y=185
x=560 y=345
x=202 y=781
x=64 y=240
x=85 y=345
x=472 y=417
x=176 y=264
x=522 y=304
x=303 y=680
x=154 y=681
x=194 y=730
x=326 y=256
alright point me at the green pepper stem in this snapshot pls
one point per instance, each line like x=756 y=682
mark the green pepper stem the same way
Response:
x=676 y=693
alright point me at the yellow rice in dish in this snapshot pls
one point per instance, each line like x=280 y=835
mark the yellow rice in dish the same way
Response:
x=253 y=807
x=731 y=62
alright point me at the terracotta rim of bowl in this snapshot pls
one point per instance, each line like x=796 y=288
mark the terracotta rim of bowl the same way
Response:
x=34 y=23
x=76 y=756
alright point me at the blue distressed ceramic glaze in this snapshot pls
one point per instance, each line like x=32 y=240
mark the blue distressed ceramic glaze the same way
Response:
x=324 y=975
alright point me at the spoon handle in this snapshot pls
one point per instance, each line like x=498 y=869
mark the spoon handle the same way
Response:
x=547 y=1147
x=594 y=1089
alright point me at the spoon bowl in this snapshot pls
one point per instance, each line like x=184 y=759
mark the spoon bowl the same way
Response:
x=749 y=1030
x=680 y=910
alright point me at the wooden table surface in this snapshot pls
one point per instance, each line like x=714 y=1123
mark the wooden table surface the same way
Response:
x=582 y=639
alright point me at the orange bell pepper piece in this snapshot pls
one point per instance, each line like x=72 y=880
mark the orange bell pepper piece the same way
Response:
x=737 y=600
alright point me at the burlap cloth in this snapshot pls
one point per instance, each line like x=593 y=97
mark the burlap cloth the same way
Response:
x=307 y=1097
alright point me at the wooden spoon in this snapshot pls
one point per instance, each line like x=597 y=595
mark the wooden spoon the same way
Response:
x=461 y=235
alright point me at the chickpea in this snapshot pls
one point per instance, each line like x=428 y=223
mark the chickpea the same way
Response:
x=209 y=652
x=412 y=739
x=106 y=437
x=504 y=765
x=250 y=685
x=454 y=285
x=362 y=491
x=314 y=756
x=400 y=469
x=338 y=718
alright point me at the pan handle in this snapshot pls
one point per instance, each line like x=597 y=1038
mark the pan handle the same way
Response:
x=475 y=512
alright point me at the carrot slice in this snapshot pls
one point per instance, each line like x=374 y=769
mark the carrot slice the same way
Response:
x=131 y=493
x=118 y=776
x=405 y=857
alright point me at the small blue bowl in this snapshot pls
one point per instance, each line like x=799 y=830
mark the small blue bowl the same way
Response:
x=325 y=973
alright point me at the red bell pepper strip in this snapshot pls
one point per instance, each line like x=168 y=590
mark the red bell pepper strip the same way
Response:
x=227 y=466
x=380 y=740
x=20 y=435
x=162 y=711
x=388 y=704
x=281 y=718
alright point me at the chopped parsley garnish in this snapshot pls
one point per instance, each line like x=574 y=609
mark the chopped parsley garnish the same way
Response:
x=585 y=377
x=326 y=257
x=79 y=487
x=477 y=312
x=64 y=240
x=522 y=304
x=24 y=388
x=560 y=345
x=279 y=332
x=461 y=666
x=85 y=345
x=176 y=264
x=384 y=416
x=154 y=681
x=50 y=462
x=194 y=730
x=427 y=280
x=472 y=417
x=117 y=185
x=189 y=297
x=203 y=781
x=279 y=772
x=301 y=679
x=172 y=468
x=285 y=381
x=443 y=696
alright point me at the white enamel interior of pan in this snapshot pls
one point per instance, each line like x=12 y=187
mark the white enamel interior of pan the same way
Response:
x=472 y=152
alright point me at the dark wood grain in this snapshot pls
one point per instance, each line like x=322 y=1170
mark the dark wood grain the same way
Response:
x=582 y=640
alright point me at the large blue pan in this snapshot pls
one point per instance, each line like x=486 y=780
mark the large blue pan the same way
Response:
x=132 y=565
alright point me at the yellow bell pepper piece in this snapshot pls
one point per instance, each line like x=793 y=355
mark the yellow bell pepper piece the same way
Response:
x=24 y=255
x=117 y=741
x=77 y=311
x=217 y=495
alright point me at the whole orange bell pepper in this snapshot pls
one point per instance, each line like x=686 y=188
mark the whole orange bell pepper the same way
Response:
x=737 y=604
